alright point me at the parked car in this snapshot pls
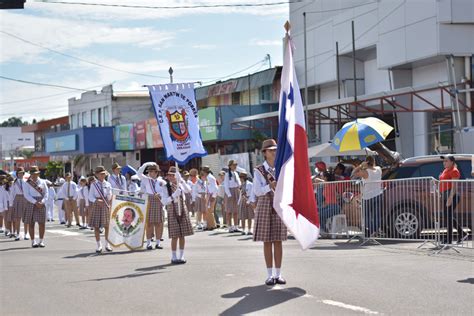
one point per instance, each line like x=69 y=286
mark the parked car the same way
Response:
x=413 y=206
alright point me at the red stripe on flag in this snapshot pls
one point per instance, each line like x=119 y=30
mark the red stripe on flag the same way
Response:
x=304 y=202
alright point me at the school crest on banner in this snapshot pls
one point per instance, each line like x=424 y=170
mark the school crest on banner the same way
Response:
x=177 y=115
x=127 y=221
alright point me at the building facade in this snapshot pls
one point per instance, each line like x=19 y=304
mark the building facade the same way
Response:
x=408 y=56
x=12 y=142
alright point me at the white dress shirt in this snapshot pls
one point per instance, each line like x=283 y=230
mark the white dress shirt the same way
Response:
x=18 y=187
x=83 y=194
x=212 y=185
x=231 y=183
x=106 y=191
x=149 y=185
x=260 y=184
x=199 y=188
x=118 y=183
x=72 y=193
x=183 y=188
x=3 y=199
x=31 y=193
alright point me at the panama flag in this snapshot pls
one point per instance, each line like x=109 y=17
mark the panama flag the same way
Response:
x=294 y=195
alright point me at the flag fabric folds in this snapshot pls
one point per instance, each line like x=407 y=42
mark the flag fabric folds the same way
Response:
x=294 y=199
x=177 y=115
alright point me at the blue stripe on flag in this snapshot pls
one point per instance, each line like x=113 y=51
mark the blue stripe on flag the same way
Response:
x=284 y=150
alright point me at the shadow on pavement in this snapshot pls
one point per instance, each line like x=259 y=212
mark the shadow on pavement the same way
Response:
x=158 y=267
x=246 y=238
x=18 y=248
x=468 y=281
x=93 y=254
x=127 y=276
x=257 y=298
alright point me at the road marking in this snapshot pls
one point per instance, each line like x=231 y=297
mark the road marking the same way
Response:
x=351 y=307
x=64 y=232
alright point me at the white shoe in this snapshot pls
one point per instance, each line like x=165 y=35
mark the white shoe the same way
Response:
x=99 y=249
x=41 y=245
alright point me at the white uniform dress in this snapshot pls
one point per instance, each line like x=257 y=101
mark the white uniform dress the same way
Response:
x=232 y=192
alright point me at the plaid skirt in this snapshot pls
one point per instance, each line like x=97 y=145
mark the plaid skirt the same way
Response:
x=245 y=210
x=155 y=210
x=82 y=207
x=8 y=215
x=35 y=214
x=178 y=226
x=19 y=206
x=100 y=215
x=200 y=203
x=268 y=225
x=231 y=203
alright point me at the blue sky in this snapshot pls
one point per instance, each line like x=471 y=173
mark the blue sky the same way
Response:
x=200 y=44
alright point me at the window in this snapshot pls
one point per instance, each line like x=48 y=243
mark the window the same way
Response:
x=106 y=117
x=79 y=119
x=100 y=117
x=266 y=93
x=73 y=121
x=433 y=169
x=94 y=122
x=235 y=98
x=84 y=119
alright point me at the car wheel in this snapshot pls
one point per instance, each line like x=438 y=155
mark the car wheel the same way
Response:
x=406 y=223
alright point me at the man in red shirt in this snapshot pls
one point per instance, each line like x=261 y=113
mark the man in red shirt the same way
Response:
x=447 y=188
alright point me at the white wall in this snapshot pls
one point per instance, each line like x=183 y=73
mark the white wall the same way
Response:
x=11 y=139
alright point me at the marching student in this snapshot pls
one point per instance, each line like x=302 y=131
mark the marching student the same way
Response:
x=268 y=228
x=3 y=202
x=132 y=184
x=50 y=202
x=60 y=201
x=221 y=198
x=189 y=197
x=213 y=189
x=83 y=201
x=193 y=177
x=19 y=204
x=231 y=187
x=100 y=194
x=245 y=209
x=179 y=224
x=200 y=198
x=118 y=182
x=69 y=192
x=36 y=193
x=153 y=185
x=8 y=200
x=90 y=181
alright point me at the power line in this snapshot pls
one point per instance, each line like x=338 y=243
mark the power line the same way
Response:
x=42 y=84
x=235 y=73
x=340 y=9
x=360 y=35
x=199 y=6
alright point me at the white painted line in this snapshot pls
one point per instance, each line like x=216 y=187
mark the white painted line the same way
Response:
x=64 y=232
x=350 y=307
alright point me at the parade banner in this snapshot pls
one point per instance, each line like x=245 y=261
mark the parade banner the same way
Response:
x=127 y=221
x=177 y=115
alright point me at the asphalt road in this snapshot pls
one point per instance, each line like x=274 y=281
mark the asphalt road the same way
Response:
x=225 y=275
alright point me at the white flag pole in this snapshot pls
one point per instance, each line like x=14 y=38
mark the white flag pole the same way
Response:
x=177 y=175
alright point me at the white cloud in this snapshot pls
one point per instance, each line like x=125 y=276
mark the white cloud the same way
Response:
x=102 y=13
x=204 y=46
x=65 y=35
x=260 y=42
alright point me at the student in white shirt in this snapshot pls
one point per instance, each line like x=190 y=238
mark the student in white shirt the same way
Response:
x=3 y=201
x=50 y=202
x=132 y=184
x=152 y=185
x=83 y=201
x=246 y=213
x=100 y=195
x=36 y=193
x=117 y=181
x=200 y=197
x=19 y=204
x=232 y=191
x=212 y=197
x=69 y=192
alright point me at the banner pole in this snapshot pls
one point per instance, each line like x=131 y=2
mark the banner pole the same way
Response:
x=178 y=176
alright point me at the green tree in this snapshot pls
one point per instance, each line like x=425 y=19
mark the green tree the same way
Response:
x=53 y=169
x=13 y=122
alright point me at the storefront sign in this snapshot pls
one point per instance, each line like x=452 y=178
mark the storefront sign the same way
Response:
x=140 y=135
x=207 y=124
x=124 y=137
x=222 y=88
x=153 y=136
x=61 y=143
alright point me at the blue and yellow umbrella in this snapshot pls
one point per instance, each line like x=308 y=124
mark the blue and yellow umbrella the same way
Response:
x=360 y=134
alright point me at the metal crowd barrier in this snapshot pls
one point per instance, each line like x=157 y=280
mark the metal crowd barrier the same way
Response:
x=405 y=209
